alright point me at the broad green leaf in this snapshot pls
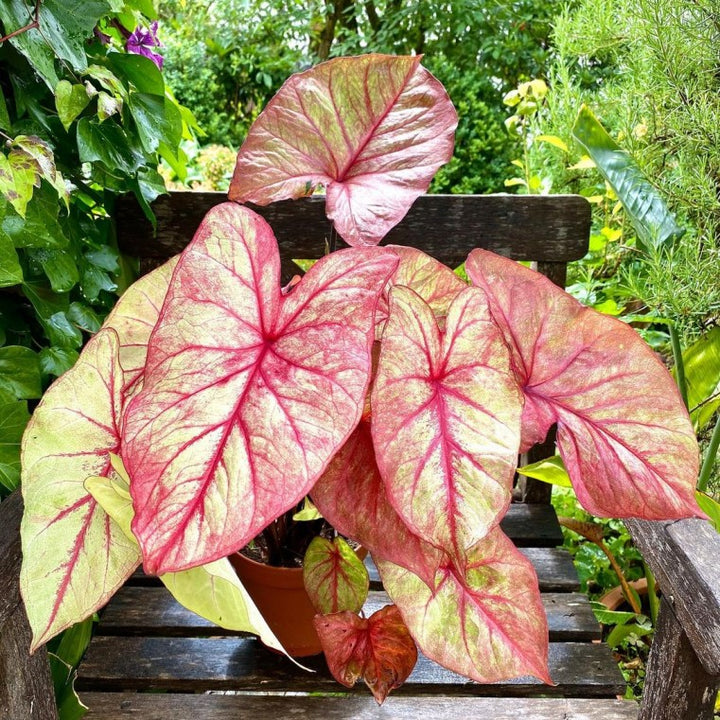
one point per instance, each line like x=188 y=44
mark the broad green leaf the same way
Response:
x=213 y=591
x=55 y=361
x=74 y=555
x=372 y=130
x=307 y=513
x=650 y=216
x=10 y=270
x=378 y=649
x=93 y=281
x=620 y=633
x=139 y=71
x=40 y=227
x=70 y=101
x=60 y=269
x=14 y=417
x=446 y=446
x=702 y=377
x=4 y=117
x=265 y=398
x=157 y=119
x=106 y=258
x=20 y=372
x=710 y=507
x=483 y=619
x=335 y=578
x=84 y=317
x=610 y=617
x=107 y=143
x=52 y=309
x=107 y=79
x=623 y=431
x=16 y=183
x=551 y=470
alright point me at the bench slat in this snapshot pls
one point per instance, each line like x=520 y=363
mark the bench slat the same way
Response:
x=119 y=706
x=199 y=664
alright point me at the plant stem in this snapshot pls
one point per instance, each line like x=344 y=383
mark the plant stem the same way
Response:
x=679 y=364
x=629 y=595
x=710 y=455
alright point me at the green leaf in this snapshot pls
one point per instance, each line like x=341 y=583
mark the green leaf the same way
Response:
x=51 y=309
x=620 y=633
x=139 y=71
x=107 y=143
x=14 y=417
x=552 y=140
x=157 y=119
x=5 y=123
x=20 y=372
x=70 y=101
x=94 y=281
x=610 y=617
x=107 y=79
x=551 y=470
x=702 y=377
x=60 y=269
x=10 y=270
x=16 y=183
x=40 y=227
x=710 y=507
x=84 y=317
x=105 y=257
x=650 y=216
x=54 y=361
x=108 y=105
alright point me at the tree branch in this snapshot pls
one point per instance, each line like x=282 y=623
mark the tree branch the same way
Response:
x=34 y=24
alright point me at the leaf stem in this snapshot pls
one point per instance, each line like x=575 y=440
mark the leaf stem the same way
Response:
x=34 y=24
x=710 y=455
x=679 y=364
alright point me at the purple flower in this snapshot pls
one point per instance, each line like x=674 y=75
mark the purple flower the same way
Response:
x=142 y=42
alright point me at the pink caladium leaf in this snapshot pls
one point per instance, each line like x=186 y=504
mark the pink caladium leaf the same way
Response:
x=351 y=496
x=446 y=419
x=372 y=129
x=134 y=317
x=335 y=577
x=484 y=619
x=74 y=555
x=378 y=649
x=623 y=431
x=434 y=282
x=247 y=392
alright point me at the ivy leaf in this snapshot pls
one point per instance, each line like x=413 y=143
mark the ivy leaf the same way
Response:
x=84 y=317
x=60 y=269
x=16 y=183
x=5 y=123
x=70 y=101
x=14 y=417
x=55 y=361
x=140 y=71
x=20 y=372
x=109 y=144
x=40 y=227
x=378 y=649
x=335 y=577
x=10 y=271
x=157 y=120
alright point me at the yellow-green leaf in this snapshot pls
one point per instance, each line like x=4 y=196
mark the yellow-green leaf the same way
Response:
x=551 y=470
x=553 y=140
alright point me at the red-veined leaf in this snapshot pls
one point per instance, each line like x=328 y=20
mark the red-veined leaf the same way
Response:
x=446 y=419
x=484 y=620
x=134 y=317
x=378 y=649
x=351 y=496
x=335 y=577
x=623 y=431
x=74 y=555
x=372 y=129
x=247 y=393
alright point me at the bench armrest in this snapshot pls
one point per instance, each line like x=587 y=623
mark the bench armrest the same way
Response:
x=684 y=556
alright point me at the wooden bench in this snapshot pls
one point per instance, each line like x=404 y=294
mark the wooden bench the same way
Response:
x=150 y=658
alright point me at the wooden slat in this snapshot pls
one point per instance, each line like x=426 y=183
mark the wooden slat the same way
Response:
x=532 y=526
x=153 y=611
x=187 y=664
x=524 y=227
x=684 y=555
x=120 y=706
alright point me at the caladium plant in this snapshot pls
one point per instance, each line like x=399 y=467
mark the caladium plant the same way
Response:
x=391 y=392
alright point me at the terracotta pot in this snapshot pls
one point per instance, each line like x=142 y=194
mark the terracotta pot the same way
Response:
x=280 y=596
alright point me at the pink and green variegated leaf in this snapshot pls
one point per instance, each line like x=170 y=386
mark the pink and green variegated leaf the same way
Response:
x=446 y=419
x=372 y=129
x=335 y=577
x=351 y=496
x=484 y=619
x=434 y=282
x=247 y=393
x=623 y=431
x=378 y=649
x=74 y=555
x=134 y=317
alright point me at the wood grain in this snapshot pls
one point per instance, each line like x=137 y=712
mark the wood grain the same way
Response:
x=121 y=706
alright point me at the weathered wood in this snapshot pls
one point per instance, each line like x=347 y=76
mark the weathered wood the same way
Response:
x=121 y=706
x=676 y=684
x=222 y=663
x=685 y=557
x=152 y=611
x=26 y=690
x=532 y=526
x=524 y=227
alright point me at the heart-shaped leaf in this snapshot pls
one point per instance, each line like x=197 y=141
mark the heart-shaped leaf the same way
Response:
x=484 y=619
x=247 y=393
x=378 y=649
x=335 y=578
x=351 y=496
x=446 y=419
x=74 y=555
x=623 y=431
x=372 y=129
